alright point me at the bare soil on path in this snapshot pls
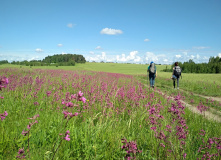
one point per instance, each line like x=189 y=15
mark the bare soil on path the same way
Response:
x=209 y=114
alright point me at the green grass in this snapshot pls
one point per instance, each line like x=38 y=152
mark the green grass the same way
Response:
x=116 y=107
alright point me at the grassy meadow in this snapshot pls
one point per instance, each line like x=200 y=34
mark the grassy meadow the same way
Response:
x=105 y=111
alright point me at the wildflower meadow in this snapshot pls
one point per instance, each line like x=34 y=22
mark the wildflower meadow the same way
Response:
x=60 y=114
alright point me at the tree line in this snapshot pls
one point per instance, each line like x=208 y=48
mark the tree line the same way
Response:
x=213 y=66
x=55 y=60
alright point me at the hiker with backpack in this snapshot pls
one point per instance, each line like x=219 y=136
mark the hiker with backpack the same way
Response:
x=152 y=73
x=176 y=75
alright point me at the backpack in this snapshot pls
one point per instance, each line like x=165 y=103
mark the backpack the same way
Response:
x=152 y=68
x=177 y=71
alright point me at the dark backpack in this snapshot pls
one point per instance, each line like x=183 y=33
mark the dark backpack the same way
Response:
x=177 y=71
x=152 y=68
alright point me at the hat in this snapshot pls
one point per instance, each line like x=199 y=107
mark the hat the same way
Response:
x=151 y=62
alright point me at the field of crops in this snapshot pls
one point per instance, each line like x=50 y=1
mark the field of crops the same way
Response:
x=90 y=112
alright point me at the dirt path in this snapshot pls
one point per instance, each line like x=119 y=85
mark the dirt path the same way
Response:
x=218 y=99
x=208 y=114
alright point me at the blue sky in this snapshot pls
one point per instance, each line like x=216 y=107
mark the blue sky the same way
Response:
x=123 y=31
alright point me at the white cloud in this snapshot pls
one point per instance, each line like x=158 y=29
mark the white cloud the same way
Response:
x=132 y=55
x=91 y=52
x=185 y=53
x=60 y=45
x=70 y=25
x=146 y=40
x=178 y=56
x=98 y=47
x=38 y=50
x=110 y=31
x=200 y=47
x=103 y=55
x=137 y=59
x=197 y=56
x=122 y=58
x=192 y=56
x=63 y=53
x=219 y=55
x=131 y=58
x=150 y=56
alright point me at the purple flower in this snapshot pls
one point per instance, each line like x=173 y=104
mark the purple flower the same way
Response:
x=80 y=94
x=67 y=137
x=153 y=128
x=24 y=132
x=3 y=115
x=83 y=99
x=69 y=104
x=162 y=145
x=21 y=151
x=21 y=154
x=184 y=155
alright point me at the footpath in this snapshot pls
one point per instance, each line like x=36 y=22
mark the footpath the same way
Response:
x=211 y=114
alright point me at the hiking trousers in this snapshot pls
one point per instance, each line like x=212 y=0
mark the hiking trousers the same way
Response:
x=152 y=80
x=174 y=82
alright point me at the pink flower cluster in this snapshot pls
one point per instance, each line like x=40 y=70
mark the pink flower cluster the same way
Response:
x=3 y=115
x=67 y=135
x=69 y=114
x=30 y=125
x=131 y=149
x=202 y=108
x=3 y=82
x=210 y=149
x=21 y=154
x=78 y=97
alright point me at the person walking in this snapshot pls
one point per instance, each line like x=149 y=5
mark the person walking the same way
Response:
x=176 y=75
x=152 y=73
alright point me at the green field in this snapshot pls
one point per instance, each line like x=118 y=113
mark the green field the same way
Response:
x=206 y=84
x=118 y=107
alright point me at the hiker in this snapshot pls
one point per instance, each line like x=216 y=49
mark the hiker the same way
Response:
x=176 y=75
x=152 y=73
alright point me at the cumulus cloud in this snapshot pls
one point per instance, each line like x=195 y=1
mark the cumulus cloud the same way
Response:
x=98 y=47
x=150 y=56
x=111 y=31
x=63 y=53
x=91 y=52
x=178 y=56
x=121 y=58
x=146 y=40
x=192 y=56
x=38 y=50
x=200 y=47
x=103 y=56
x=97 y=57
x=185 y=53
x=131 y=58
x=60 y=45
x=70 y=25
x=219 y=55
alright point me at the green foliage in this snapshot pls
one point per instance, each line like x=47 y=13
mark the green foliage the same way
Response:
x=213 y=66
x=68 y=59
x=55 y=60
x=3 y=62
x=96 y=132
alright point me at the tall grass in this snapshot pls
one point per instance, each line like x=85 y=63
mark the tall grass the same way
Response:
x=117 y=109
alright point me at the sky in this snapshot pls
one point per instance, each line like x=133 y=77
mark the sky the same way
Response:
x=122 y=31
